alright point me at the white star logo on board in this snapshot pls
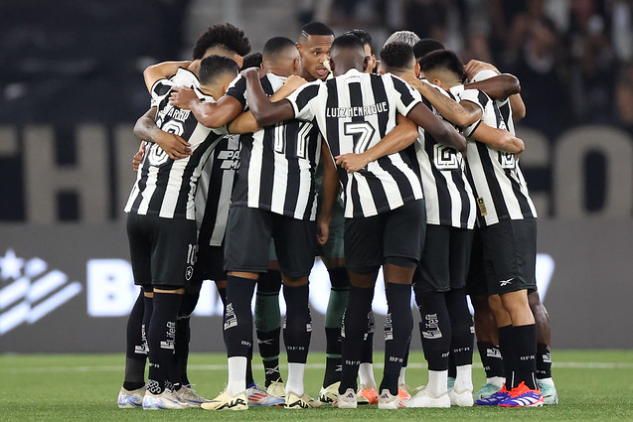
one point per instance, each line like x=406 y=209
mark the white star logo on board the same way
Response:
x=11 y=265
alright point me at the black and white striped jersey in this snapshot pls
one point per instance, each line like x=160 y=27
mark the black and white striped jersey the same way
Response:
x=165 y=187
x=500 y=189
x=215 y=188
x=277 y=162
x=448 y=196
x=354 y=112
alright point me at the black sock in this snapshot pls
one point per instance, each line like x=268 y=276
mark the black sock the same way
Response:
x=161 y=339
x=398 y=329
x=333 y=344
x=183 y=335
x=135 y=352
x=506 y=347
x=353 y=333
x=525 y=355
x=269 y=351
x=297 y=324
x=368 y=344
x=238 y=319
x=268 y=323
x=462 y=329
x=491 y=359
x=543 y=361
x=452 y=367
x=435 y=329
x=222 y=294
x=250 y=382
x=339 y=293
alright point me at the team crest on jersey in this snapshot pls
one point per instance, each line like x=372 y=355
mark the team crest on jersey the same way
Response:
x=507 y=160
x=446 y=158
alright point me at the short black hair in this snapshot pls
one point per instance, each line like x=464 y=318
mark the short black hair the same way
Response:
x=252 y=60
x=213 y=66
x=397 y=55
x=426 y=46
x=348 y=41
x=316 y=28
x=277 y=45
x=444 y=59
x=225 y=35
x=364 y=36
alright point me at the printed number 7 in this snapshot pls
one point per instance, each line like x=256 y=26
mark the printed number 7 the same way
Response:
x=363 y=132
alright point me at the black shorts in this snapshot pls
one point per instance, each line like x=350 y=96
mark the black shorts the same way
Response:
x=504 y=258
x=210 y=264
x=248 y=235
x=445 y=259
x=162 y=250
x=394 y=237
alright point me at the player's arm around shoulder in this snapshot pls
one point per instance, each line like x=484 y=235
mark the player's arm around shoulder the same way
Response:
x=264 y=110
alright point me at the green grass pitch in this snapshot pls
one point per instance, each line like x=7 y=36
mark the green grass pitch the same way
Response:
x=592 y=385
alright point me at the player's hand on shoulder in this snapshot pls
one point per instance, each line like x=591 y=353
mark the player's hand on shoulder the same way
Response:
x=175 y=146
x=475 y=66
x=182 y=97
x=295 y=81
x=254 y=72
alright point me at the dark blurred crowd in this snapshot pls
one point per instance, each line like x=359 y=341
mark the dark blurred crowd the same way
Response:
x=574 y=58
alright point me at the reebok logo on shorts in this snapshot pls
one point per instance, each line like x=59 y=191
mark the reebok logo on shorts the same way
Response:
x=506 y=282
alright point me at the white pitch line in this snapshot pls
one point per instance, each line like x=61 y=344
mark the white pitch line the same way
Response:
x=315 y=366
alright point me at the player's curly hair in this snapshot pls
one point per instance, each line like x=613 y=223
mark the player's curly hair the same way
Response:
x=225 y=35
x=397 y=55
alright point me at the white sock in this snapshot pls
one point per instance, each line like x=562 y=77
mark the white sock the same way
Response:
x=437 y=383
x=401 y=380
x=546 y=381
x=366 y=375
x=237 y=375
x=463 y=378
x=294 y=383
x=498 y=381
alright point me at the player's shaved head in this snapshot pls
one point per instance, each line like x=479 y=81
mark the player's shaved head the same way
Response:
x=348 y=52
x=315 y=28
x=280 y=56
x=443 y=65
x=397 y=57
x=214 y=67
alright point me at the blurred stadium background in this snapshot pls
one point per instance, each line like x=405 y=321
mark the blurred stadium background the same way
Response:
x=71 y=89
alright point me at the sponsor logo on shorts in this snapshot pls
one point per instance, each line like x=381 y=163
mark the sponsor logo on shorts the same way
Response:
x=507 y=282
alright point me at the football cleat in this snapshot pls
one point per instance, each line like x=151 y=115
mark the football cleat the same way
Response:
x=523 y=396
x=486 y=390
x=131 y=399
x=276 y=388
x=330 y=393
x=388 y=401
x=165 y=400
x=188 y=395
x=227 y=402
x=257 y=396
x=347 y=400
x=367 y=395
x=294 y=401
x=425 y=399
x=550 y=395
x=495 y=398
x=461 y=398
x=403 y=392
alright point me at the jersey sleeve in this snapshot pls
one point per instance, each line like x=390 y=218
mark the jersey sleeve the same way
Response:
x=480 y=99
x=304 y=101
x=237 y=90
x=160 y=88
x=406 y=99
